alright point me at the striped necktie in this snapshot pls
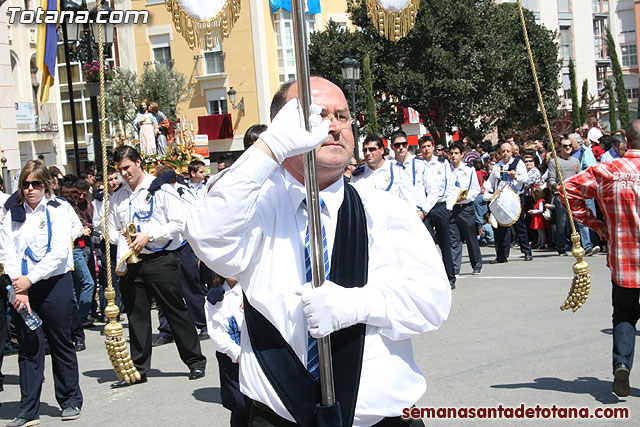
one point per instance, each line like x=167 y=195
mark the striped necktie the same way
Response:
x=313 y=364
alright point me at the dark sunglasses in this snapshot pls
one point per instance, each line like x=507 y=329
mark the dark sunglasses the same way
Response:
x=400 y=144
x=355 y=165
x=529 y=161
x=566 y=145
x=37 y=185
x=370 y=149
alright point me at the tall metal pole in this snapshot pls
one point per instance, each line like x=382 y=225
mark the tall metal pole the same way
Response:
x=313 y=193
x=95 y=122
x=355 y=119
x=74 y=131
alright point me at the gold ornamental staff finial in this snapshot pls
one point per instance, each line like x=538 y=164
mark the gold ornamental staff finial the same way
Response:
x=581 y=279
x=393 y=18
x=114 y=339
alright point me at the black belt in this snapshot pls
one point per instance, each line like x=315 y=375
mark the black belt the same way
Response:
x=264 y=416
x=154 y=255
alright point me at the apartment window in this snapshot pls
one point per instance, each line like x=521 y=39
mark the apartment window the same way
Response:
x=285 y=55
x=565 y=6
x=565 y=44
x=632 y=92
x=218 y=106
x=566 y=86
x=629 y=55
x=216 y=101
x=161 y=50
x=627 y=19
x=599 y=44
x=214 y=60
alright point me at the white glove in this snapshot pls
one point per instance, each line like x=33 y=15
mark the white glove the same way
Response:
x=331 y=307
x=286 y=135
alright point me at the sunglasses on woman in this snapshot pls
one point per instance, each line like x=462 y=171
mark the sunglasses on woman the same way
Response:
x=36 y=184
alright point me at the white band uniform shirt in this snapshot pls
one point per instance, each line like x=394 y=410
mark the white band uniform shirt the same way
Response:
x=491 y=184
x=218 y=320
x=160 y=215
x=468 y=180
x=441 y=182
x=34 y=233
x=391 y=178
x=199 y=189
x=259 y=239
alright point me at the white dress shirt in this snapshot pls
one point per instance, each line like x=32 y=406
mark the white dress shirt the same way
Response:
x=3 y=199
x=468 y=180
x=218 y=320
x=199 y=189
x=15 y=237
x=252 y=226
x=416 y=168
x=393 y=179
x=491 y=184
x=609 y=156
x=441 y=183
x=160 y=215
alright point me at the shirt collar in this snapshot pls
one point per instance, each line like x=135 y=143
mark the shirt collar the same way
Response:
x=41 y=206
x=146 y=182
x=332 y=196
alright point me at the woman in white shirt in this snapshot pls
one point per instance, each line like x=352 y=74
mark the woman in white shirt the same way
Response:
x=34 y=242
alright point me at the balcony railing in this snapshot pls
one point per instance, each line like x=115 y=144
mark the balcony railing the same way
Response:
x=29 y=119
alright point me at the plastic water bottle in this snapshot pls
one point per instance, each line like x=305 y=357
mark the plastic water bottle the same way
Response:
x=32 y=320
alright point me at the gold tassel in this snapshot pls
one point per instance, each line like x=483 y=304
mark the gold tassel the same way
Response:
x=581 y=283
x=393 y=25
x=205 y=34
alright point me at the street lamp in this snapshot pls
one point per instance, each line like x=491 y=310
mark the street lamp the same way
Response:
x=351 y=73
x=80 y=42
x=232 y=98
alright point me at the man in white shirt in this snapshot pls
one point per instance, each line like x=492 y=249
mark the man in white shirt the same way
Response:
x=439 y=184
x=386 y=175
x=463 y=221
x=256 y=232
x=197 y=176
x=157 y=211
x=414 y=166
x=594 y=133
x=513 y=170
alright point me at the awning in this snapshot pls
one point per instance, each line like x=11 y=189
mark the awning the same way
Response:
x=216 y=126
x=313 y=6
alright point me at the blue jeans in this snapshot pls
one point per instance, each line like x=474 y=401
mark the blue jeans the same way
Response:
x=83 y=283
x=626 y=312
x=562 y=226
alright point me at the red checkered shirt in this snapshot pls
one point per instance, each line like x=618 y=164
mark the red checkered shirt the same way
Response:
x=616 y=187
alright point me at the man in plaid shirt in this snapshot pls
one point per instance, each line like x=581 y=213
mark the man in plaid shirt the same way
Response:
x=616 y=187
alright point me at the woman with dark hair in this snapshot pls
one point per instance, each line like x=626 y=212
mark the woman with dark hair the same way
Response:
x=34 y=248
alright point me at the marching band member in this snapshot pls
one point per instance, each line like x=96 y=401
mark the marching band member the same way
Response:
x=513 y=170
x=463 y=217
x=34 y=240
x=385 y=284
x=157 y=211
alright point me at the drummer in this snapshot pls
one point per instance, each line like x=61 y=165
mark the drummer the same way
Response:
x=509 y=171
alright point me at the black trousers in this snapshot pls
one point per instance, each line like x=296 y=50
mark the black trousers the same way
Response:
x=463 y=226
x=5 y=280
x=439 y=218
x=263 y=416
x=232 y=397
x=191 y=289
x=503 y=236
x=52 y=300
x=626 y=312
x=158 y=276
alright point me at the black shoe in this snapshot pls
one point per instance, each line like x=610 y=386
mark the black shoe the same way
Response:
x=621 y=380
x=196 y=373
x=499 y=261
x=452 y=283
x=80 y=346
x=161 y=341
x=563 y=253
x=203 y=335
x=528 y=257
x=123 y=383
x=23 y=422
x=477 y=271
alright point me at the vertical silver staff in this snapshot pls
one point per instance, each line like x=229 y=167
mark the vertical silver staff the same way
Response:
x=313 y=193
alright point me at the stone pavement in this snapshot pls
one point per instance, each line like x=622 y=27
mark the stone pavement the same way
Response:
x=506 y=343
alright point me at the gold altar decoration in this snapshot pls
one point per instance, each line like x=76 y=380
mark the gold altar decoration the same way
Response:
x=393 y=25
x=204 y=33
x=579 y=291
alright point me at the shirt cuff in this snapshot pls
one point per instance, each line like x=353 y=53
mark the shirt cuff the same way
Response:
x=375 y=300
x=34 y=277
x=233 y=353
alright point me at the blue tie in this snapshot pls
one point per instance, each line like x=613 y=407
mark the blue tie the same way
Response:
x=313 y=364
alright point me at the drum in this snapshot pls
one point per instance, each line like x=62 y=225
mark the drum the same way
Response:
x=505 y=206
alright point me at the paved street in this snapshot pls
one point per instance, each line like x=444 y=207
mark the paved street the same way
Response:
x=506 y=343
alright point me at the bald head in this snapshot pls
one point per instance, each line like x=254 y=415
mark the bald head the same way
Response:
x=633 y=135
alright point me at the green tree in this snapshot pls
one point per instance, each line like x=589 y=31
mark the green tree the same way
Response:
x=371 y=121
x=621 y=91
x=463 y=64
x=122 y=97
x=167 y=87
x=584 y=107
x=613 y=120
x=575 y=112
